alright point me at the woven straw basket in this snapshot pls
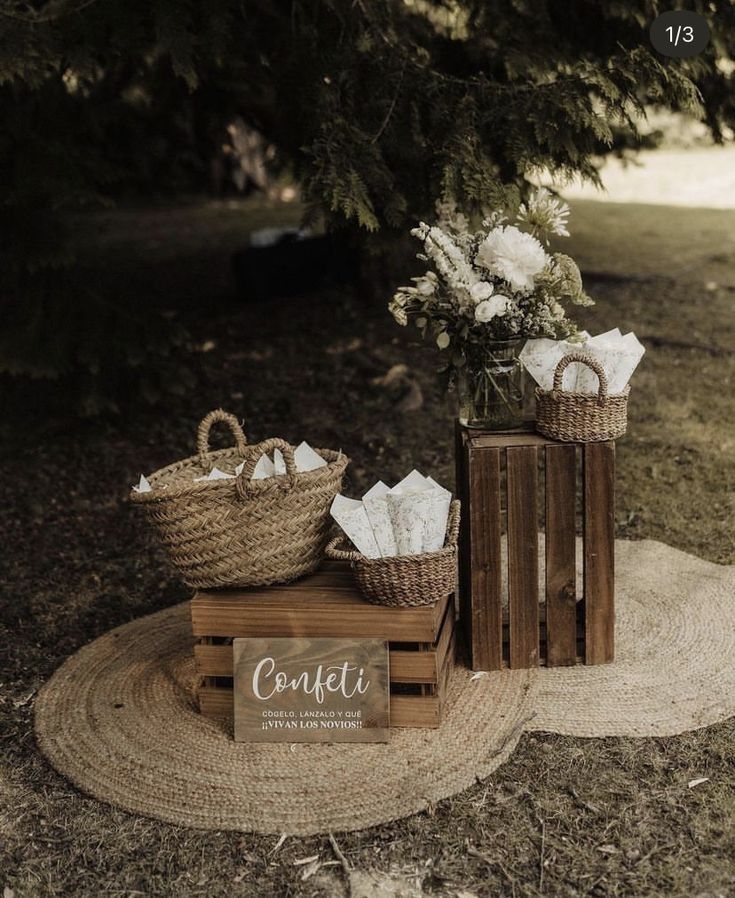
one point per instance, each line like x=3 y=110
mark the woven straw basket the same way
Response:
x=242 y=532
x=581 y=417
x=405 y=579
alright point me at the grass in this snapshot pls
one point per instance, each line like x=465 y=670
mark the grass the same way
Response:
x=565 y=816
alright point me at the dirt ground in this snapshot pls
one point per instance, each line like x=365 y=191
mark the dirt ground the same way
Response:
x=565 y=816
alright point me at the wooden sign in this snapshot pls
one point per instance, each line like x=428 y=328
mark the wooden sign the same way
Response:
x=311 y=690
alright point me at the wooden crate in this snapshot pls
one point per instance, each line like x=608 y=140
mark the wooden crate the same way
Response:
x=421 y=640
x=498 y=483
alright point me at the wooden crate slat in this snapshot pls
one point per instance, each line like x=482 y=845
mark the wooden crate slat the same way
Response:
x=462 y=492
x=322 y=623
x=415 y=711
x=599 y=551
x=213 y=660
x=215 y=702
x=297 y=614
x=446 y=636
x=505 y=440
x=522 y=485
x=485 y=613
x=413 y=667
x=561 y=604
x=424 y=710
x=446 y=671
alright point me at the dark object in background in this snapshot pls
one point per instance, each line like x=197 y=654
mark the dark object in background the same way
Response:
x=294 y=264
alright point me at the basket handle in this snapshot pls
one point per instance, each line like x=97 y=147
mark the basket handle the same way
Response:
x=244 y=482
x=334 y=552
x=241 y=441
x=453 y=523
x=585 y=359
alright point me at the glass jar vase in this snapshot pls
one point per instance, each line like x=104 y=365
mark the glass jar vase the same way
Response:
x=490 y=386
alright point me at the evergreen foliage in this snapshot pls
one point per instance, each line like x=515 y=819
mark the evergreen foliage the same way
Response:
x=376 y=106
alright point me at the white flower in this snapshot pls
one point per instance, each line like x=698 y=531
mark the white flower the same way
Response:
x=451 y=262
x=480 y=291
x=397 y=308
x=489 y=308
x=442 y=341
x=512 y=255
x=545 y=214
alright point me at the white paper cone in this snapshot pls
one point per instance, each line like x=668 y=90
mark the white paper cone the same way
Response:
x=279 y=464
x=540 y=358
x=143 y=485
x=632 y=351
x=414 y=482
x=435 y=530
x=603 y=339
x=215 y=474
x=619 y=356
x=409 y=513
x=408 y=507
x=419 y=508
x=376 y=507
x=264 y=468
x=306 y=458
x=351 y=517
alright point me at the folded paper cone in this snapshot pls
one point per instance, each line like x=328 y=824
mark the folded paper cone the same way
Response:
x=351 y=516
x=409 y=513
x=375 y=501
x=306 y=458
x=264 y=468
x=409 y=519
x=618 y=354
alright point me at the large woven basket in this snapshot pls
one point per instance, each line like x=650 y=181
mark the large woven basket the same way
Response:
x=581 y=417
x=405 y=580
x=242 y=532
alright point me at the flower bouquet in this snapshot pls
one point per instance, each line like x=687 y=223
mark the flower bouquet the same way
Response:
x=485 y=294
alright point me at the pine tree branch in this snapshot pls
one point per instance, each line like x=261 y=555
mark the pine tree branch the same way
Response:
x=388 y=115
x=38 y=18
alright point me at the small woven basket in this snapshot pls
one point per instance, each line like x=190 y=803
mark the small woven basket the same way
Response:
x=405 y=580
x=242 y=532
x=581 y=417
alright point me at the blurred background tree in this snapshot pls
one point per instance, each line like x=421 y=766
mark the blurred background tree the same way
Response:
x=374 y=107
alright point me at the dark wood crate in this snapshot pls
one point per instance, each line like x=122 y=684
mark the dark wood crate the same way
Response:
x=498 y=483
x=421 y=640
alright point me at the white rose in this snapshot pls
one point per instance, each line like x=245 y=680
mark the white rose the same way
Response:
x=481 y=291
x=442 y=341
x=513 y=255
x=490 y=308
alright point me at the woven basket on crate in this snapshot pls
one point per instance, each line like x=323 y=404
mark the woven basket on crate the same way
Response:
x=581 y=417
x=239 y=531
x=405 y=579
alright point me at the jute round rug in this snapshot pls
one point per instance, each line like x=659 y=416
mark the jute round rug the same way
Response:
x=118 y=718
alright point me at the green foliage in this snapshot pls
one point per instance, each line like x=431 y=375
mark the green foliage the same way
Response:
x=377 y=106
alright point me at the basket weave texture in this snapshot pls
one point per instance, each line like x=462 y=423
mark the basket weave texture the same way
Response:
x=242 y=532
x=405 y=580
x=581 y=417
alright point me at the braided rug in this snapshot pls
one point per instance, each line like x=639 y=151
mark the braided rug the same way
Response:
x=118 y=718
